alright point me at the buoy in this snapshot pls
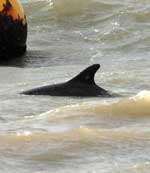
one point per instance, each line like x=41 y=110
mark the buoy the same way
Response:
x=13 y=29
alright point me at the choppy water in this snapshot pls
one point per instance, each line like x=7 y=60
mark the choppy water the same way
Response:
x=43 y=134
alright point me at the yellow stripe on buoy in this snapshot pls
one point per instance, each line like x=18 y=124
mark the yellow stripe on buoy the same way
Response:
x=13 y=28
x=14 y=8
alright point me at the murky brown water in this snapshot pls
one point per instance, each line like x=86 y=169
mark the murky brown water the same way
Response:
x=86 y=135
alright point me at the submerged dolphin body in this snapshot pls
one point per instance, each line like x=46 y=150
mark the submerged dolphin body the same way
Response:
x=81 y=85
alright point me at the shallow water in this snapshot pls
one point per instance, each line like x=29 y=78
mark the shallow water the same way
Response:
x=42 y=134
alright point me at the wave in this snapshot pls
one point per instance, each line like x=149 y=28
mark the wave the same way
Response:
x=103 y=22
x=48 y=146
x=79 y=135
x=67 y=7
x=140 y=12
x=143 y=167
x=104 y=114
x=59 y=9
x=136 y=106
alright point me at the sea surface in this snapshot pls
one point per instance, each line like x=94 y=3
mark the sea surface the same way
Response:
x=44 y=134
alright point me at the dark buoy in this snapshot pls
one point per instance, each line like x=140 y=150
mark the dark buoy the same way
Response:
x=13 y=29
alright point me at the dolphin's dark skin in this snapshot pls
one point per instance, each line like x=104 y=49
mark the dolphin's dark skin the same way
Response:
x=81 y=85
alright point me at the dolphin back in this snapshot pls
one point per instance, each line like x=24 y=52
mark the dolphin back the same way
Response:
x=81 y=85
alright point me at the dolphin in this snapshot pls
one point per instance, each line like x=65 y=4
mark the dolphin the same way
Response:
x=81 y=85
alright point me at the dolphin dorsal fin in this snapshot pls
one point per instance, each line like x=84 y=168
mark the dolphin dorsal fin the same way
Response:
x=87 y=75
